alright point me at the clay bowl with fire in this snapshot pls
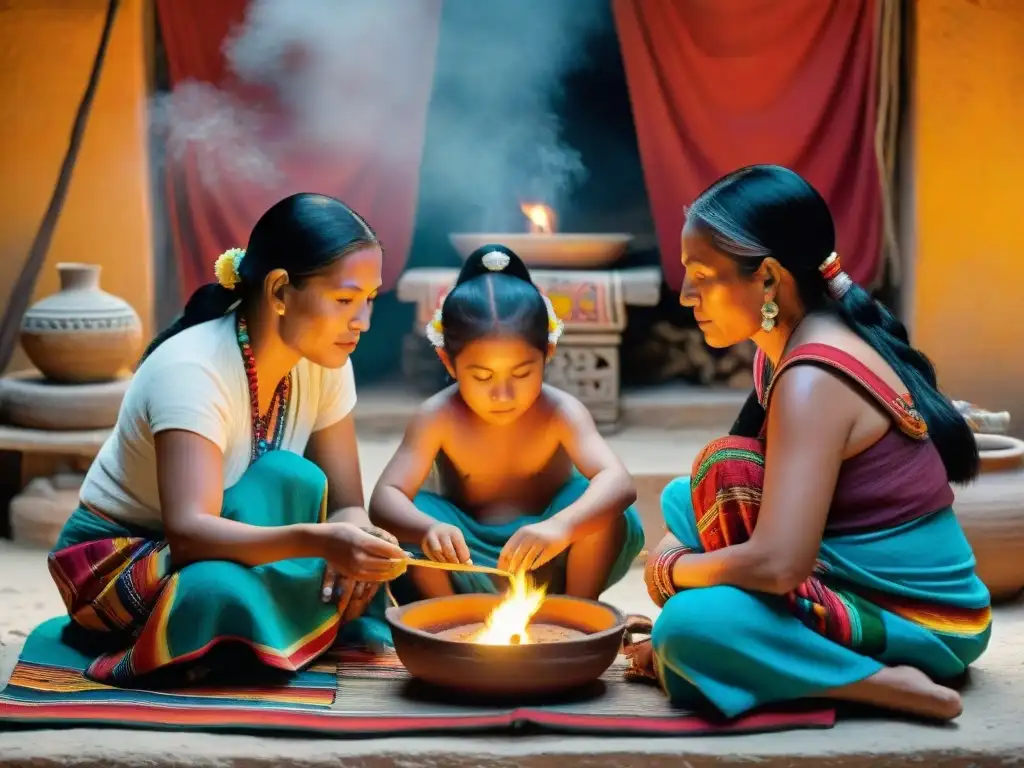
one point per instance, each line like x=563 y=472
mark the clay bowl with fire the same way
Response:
x=523 y=644
x=544 y=246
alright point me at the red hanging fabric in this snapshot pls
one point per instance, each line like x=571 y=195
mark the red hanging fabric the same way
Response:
x=378 y=175
x=719 y=84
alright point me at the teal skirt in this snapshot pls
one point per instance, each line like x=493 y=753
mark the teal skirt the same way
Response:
x=910 y=594
x=123 y=595
x=485 y=543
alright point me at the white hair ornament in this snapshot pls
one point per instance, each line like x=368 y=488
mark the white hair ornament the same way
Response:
x=495 y=261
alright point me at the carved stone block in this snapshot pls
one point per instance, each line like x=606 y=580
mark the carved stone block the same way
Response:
x=587 y=367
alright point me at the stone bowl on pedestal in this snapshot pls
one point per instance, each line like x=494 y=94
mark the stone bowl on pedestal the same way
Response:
x=559 y=250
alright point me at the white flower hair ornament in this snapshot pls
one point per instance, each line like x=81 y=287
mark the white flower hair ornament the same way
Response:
x=495 y=261
x=435 y=328
x=555 y=325
x=225 y=269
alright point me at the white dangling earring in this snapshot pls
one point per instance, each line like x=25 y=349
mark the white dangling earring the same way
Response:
x=769 y=311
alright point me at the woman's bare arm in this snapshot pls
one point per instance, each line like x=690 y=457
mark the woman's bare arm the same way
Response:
x=190 y=482
x=668 y=541
x=336 y=451
x=809 y=424
x=611 y=488
x=391 y=504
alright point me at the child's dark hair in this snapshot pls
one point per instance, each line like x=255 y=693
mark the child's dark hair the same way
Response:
x=304 y=234
x=767 y=210
x=489 y=302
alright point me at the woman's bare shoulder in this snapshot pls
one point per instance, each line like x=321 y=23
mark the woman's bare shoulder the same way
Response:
x=834 y=333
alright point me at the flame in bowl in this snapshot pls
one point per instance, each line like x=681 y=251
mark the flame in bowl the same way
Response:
x=541 y=218
x=507 y=623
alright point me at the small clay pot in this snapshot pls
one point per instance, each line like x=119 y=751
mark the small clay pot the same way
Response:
x=506 y=671
x=81 y=333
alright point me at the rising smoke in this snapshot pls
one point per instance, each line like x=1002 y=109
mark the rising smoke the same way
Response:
x=496 y=137
x=494 y=133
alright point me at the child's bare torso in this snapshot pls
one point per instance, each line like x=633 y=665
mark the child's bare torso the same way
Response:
x=499 y=473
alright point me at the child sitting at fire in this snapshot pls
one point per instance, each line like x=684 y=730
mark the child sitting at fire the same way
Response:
x=526 y=481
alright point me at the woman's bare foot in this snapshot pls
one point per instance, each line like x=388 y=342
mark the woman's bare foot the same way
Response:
x=636 y=646
x=904 y=689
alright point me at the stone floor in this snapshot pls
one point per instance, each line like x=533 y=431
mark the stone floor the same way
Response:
x=662 y=432
x=989 y=732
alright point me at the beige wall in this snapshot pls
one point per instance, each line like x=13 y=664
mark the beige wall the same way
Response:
x=48 y=48
x=966 y=293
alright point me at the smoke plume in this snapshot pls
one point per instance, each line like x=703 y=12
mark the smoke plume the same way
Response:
x=495 y=136
x=493 y=129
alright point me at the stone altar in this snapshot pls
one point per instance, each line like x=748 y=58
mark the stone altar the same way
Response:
x=591 y=303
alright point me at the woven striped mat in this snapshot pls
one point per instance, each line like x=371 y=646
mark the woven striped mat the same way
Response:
x=348 y=693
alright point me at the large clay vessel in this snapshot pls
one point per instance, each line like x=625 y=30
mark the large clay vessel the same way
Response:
x=991 y=511
x=81 y=333
x=1000 y=453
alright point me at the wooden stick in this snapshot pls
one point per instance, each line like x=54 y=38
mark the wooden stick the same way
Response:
x=464 y=567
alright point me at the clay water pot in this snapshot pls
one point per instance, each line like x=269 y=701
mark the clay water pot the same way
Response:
x=81 y=333
x=999 y=453
x=991 y=512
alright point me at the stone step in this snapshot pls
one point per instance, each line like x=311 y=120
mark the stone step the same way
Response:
x=384 y=410
x=658 y=436
x=653 y=456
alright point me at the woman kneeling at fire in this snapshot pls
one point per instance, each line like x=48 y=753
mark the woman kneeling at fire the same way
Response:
x=814 y=553
x=526 y=481
x=231 y=482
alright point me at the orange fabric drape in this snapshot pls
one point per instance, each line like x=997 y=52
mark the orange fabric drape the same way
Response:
x=719 y=84
x=380 y=181
x=106 y=216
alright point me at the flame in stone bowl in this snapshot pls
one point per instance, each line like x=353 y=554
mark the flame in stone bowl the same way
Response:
x=541 y=217
x=507 y=623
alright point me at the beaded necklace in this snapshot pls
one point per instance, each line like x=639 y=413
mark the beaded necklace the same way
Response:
x=261 y=441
